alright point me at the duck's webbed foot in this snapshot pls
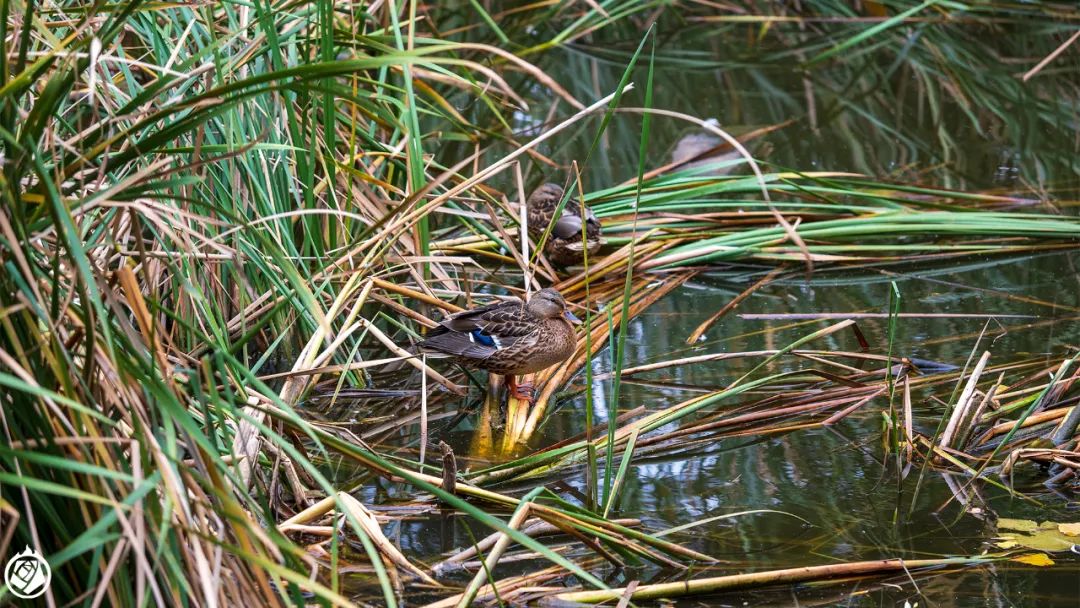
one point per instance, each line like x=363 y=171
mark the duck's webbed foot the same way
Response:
x=522 y=391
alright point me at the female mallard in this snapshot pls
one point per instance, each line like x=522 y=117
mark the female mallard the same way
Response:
x=509 y=337
x=564 y=245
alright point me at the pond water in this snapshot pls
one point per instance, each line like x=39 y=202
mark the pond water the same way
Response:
x=834 y=493
x=848 y=501
x=839 y=478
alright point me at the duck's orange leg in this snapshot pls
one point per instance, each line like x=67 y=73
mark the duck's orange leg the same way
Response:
x=523 y=391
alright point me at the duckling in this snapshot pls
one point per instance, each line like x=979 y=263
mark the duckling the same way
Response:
x=510 y=337
x=564 y=245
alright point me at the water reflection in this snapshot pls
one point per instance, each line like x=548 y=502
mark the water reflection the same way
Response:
x=870 y=119
x=858 y=505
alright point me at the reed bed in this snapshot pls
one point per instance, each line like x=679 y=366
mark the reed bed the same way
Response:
x=219 y=218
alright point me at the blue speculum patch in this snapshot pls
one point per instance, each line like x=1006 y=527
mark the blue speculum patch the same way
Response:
x=483 y=338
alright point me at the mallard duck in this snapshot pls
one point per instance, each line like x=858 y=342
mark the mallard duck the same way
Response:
x=705 y=150
x=564 y=246
x=509 y=337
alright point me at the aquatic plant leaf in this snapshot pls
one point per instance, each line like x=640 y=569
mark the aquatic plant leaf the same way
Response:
x=1020 y=525
x=1069 y=529
x=1045 y=536
x=1034 y=559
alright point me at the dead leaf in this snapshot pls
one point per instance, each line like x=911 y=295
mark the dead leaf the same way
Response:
x=1069 y=529
x=1034 y=559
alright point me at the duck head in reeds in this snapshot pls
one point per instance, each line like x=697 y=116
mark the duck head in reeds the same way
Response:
x=509 y=337
x=574 y=230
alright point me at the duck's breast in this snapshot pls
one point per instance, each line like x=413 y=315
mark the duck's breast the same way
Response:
x=555 y=343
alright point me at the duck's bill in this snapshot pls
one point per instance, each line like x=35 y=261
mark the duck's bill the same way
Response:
x=571 y=318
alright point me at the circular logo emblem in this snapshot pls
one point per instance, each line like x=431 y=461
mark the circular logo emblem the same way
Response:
x=27 y=574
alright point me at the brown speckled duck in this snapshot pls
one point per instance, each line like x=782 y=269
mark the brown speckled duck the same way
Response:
x=564 y=245
x=510 y=337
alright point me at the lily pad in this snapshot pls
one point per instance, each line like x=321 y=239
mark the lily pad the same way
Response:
x=1047 y=536
x=1069 y=529
x=1020 y=525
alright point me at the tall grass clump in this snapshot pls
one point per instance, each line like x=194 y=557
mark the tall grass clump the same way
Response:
x=191 y=196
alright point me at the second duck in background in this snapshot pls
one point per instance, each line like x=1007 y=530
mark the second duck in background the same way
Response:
x=564 y=246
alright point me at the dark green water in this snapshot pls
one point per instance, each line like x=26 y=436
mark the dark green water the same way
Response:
x=856 y=504
x=889 y=114
x=837 y=479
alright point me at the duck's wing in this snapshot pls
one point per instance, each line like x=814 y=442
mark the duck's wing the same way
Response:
x=567 y=226
x=467 y=320
x=482 y=332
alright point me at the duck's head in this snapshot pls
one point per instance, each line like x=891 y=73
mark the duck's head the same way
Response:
x=548 y=303
x=547 y=195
